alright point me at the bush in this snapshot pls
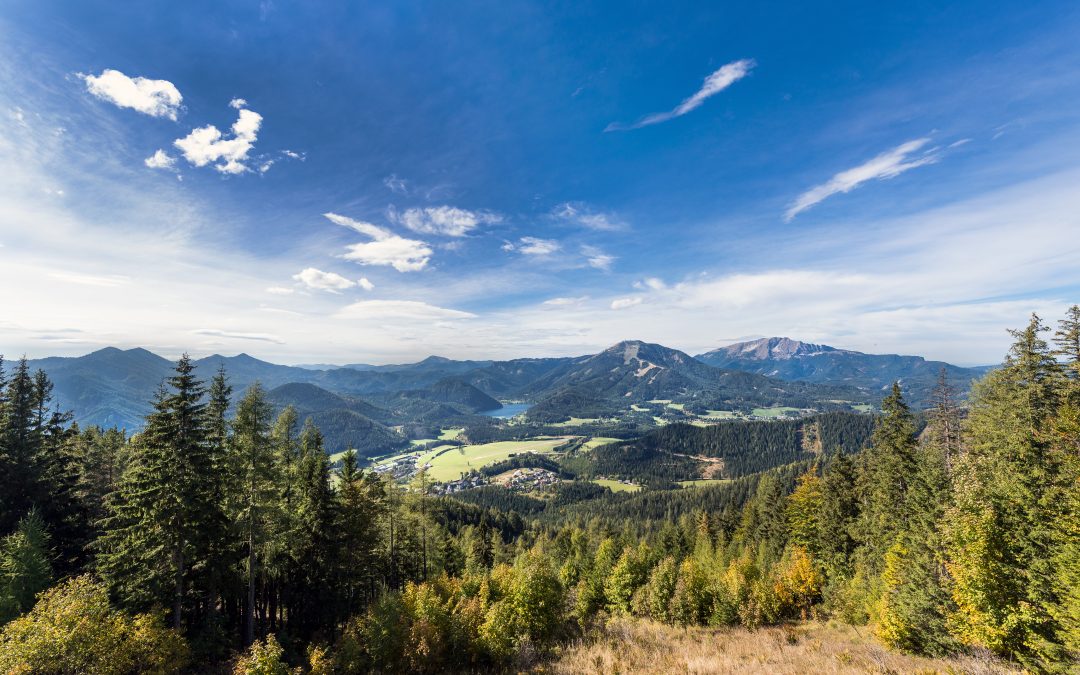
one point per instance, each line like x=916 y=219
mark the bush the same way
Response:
x=262 y=658
x=73 y=629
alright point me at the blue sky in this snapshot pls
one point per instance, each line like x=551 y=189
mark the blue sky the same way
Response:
x=378 y=183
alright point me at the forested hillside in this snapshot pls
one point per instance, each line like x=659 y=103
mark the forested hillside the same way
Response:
x=221 y=537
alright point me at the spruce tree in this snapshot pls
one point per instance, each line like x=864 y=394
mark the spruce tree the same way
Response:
x=885 y=480
x=156 y=543
x=1001 y=527
x=254 y=456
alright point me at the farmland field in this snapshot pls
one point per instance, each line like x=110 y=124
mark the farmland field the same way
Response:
x=773 y=412
x=702 y=482
x=451 y=464
x=597 y=442
x=616 y=486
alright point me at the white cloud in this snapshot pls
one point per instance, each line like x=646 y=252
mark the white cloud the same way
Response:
x=886 y=165
x=597 y=258
x=238 y=103
x=651 y=283
x=160 y=160
x=533 y=246
x=104 y=280
x=584 y=216
x=279 y=290
x=395 y=184
x=404 y=255
x=257 y=337
x=157 y=98
x=625 y=303
x=718 y=81
x=447 y=221
x=207 y=144
x=407 y=310
x=365 y=284
x=566 y=302
x=323 y=281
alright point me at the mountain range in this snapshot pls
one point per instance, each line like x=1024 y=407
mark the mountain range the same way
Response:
x=377 y=408
x=796 y=361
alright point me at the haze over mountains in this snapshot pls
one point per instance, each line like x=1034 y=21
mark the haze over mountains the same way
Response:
x=373 y=406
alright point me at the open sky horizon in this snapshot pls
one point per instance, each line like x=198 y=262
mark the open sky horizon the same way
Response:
x=377 y=184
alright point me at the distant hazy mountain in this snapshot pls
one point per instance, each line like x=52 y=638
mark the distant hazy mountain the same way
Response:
x=792 y=360
x=635 y=371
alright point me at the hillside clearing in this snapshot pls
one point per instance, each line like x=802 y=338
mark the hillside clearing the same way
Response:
x=450 y=465
x=615 y=485
x=641 y=646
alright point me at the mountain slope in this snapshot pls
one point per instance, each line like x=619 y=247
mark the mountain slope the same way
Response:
x=344 y=422
x=796 y=361
x=635 y=371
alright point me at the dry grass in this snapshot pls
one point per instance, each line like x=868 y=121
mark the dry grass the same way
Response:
x=635 y=646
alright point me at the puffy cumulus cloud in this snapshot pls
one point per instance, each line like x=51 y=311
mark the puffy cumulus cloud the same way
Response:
x=403 y=310
x=205 y=145
x=596 y=258
x=716 y=82
x=533 y=246
x=580 y=214
x=157 y=98
x=448 y=221
x=238 y=103
x=625 y=303
x=365 y=284
x=160 y=160
x=386 y=248
x=324 y=281
x=886 y=165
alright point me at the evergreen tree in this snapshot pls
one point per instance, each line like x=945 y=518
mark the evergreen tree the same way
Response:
x=254 y=457
x=1001 y=526
x=837 y=517
x=25 y=569
x=885 y=480
x=156 y=542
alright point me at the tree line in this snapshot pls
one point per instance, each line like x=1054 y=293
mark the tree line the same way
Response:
x=204 y=540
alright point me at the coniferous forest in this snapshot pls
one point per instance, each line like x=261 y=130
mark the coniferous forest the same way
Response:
x=222 y=538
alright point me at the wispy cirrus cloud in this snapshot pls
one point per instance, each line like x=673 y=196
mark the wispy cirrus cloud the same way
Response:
x=405 y=310
x=157 y=98
x=387 y=248
x=596 y=258
x=716 y=82
x=447 y=221
x=533 y=246
x=232 y=335
x=886 y=165
x=581 y=214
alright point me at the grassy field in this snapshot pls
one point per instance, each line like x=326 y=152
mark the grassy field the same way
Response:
x=702 y=482
x=616 y=486
x=773 y=412
x=641 y=646
x=719 y=415
x=597 y=442
x=863 y=407
x=576 y=422
x=450 y=434
x=451 y=464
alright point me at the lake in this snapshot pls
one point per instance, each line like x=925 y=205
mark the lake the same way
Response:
x=508 y=410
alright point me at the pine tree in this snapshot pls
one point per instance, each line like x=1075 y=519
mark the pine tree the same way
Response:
x=837 y=517
x=157 y=537
x=1000 y=529
x=803 y=511
x=25 y=569
x=254 y=457
x=885 y=480
x=360 y=506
